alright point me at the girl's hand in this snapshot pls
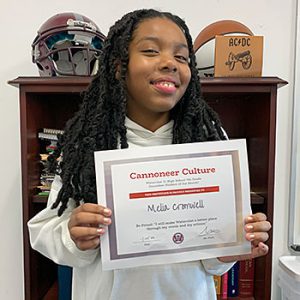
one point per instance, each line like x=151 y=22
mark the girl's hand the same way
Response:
x=256 y=227
x=87 y=223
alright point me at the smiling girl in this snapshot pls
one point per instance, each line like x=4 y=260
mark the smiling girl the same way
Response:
x=146 y=93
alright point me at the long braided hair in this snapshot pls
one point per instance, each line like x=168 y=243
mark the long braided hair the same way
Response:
x=100 y=122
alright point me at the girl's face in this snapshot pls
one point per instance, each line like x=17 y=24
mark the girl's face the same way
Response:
x=158 y=72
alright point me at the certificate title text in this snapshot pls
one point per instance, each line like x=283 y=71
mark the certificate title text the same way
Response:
x=173 y=173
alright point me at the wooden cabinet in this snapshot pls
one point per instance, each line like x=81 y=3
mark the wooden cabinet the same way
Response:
x=247 y=108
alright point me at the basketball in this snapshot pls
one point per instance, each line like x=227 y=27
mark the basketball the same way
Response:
x=204 y=44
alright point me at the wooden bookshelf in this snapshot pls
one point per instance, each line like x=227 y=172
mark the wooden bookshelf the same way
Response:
x=247 y=108
x=52 y=292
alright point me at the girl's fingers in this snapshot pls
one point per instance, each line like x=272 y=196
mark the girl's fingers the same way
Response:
x=86 y=233
x=256 y=228
x=85 y=225
x=83 y=218
x=262 y=226
x=86 y=237
x=257 y=237
x=258 y=217
x=91 y=214
x=89 y=244
x=260 y=250
x=95 y=208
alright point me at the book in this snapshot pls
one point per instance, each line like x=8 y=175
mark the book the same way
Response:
x=53 y=131
x=47 y=136
x=44 y=156
x=50 y=134
x=233 y=277
x=44 y=193
x=64 y=278
x=246 y=278
x=224 y=285
x=48 y=144
x=217 y=281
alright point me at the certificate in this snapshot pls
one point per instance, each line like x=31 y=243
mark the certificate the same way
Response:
x=173 y=203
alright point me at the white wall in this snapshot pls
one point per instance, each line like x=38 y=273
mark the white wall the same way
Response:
x=20 y=20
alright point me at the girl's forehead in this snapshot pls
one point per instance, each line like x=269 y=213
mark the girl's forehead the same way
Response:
x=158 y=27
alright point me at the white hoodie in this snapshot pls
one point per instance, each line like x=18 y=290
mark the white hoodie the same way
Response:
x=50 y=236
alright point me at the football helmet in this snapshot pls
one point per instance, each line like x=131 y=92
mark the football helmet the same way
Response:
x=67 y=44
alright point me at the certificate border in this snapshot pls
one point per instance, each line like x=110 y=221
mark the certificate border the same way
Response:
x=112 y=236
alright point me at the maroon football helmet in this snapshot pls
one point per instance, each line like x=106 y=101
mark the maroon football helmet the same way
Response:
x=67 y=44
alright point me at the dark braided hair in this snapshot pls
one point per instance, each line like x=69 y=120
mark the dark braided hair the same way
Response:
x=100 y=122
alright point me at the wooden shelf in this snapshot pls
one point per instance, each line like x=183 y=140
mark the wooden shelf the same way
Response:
x=256 y=198
x=39 y=199
x=52 y=292
x=247 y=109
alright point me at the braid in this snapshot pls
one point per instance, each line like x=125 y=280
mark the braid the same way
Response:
x=194 y=120
x=100 y=122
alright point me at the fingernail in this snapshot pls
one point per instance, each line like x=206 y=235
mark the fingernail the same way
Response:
x=249 y=226
x=251 y=236
x=106 y=210
x=100 y=230
x=250 y=218
x=106 y=220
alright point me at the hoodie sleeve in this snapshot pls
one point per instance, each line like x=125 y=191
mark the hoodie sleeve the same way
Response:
x=49 y=234
x=215 y=267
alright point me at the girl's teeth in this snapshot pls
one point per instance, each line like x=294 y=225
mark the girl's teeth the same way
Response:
x=167 y=84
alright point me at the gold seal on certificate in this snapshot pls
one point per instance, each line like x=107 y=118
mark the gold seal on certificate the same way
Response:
x=173 y=203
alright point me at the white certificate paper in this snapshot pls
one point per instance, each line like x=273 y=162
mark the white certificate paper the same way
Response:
x=173 y=203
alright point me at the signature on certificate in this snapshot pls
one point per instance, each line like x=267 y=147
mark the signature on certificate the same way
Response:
x=207 y=229
x=147 y=240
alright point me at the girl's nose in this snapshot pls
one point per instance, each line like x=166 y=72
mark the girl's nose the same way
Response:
x=168 y=63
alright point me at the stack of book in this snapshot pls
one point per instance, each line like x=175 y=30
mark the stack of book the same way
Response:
x=48 y=141
x=237 y=282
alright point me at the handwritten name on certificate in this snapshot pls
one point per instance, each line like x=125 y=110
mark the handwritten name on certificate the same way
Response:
x=173 y=203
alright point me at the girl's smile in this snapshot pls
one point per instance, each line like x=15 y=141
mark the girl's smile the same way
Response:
x=166 y=85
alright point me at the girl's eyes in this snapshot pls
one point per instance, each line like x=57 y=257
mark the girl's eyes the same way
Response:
x=150 y=51
x=180 y=58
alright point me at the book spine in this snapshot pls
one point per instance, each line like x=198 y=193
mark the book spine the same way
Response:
x=224 y=285
x=233 y=277
x=53 y=131
x=217 y=280
x=47 y=136
x=246 y=278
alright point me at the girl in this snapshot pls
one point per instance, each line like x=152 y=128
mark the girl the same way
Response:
x=146 y=93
